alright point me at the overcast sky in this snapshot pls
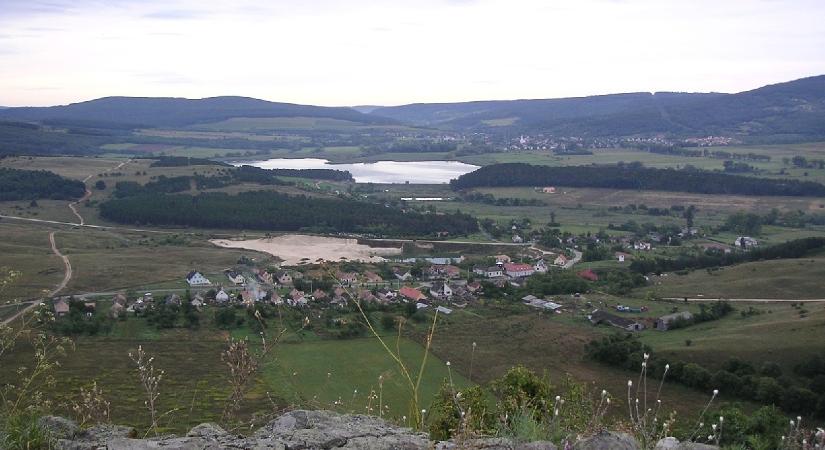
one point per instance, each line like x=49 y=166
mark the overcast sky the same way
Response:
x=388 y=52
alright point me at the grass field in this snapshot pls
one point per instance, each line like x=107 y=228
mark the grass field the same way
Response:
x=784 y=279
x=323 y=372
x=780 y=335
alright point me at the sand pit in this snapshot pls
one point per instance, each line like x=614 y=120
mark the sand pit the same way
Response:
x=293 y=248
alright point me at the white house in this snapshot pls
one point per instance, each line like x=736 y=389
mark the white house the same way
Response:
x=221 y=296
x=489 y=272
x=195 y=278
x=645 y=246
x=441 y=290
x=235 y=277
x=560 y=260
x=540 y=266
x=518 y=270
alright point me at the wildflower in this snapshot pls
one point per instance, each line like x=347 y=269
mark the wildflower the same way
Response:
x=448 y=363
x=629 y=383
x=715 y=392
x=721 y=419
x=647 y=355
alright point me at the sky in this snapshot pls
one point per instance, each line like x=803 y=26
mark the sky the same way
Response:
x=364 y=52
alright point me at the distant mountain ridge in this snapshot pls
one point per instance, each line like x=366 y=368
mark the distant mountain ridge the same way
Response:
x=791 y=108
x=167 y=111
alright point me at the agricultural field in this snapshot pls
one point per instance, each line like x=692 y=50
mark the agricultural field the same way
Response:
x=784 y=279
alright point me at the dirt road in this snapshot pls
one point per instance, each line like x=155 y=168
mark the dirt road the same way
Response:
x=748 y=300
x=67 y=276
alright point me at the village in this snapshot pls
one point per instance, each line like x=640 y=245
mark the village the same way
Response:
x=437 y=284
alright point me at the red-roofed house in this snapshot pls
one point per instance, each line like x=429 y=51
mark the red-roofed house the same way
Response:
x=411 y=294
x=514 y=270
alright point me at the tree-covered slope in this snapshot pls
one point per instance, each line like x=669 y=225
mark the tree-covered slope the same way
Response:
x=795 y=108
x=633 y=177
x=170 y=112
x=16 y=184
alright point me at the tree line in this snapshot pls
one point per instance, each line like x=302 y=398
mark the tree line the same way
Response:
x=765 y=384
x=17 y=184
x=633 y=176
x=262 y=210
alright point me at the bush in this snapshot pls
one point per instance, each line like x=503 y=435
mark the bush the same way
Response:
x=519 y=390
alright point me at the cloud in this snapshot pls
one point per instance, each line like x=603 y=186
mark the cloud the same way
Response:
x=175 y=14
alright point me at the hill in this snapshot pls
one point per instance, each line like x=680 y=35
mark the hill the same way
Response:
x=119 y=112
x=794 y=109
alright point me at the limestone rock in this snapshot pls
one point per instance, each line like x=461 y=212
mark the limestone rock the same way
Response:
x=668 y=443
x=58 y=427
x=608 y=440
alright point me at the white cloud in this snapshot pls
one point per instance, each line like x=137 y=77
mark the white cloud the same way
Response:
x=377 y=52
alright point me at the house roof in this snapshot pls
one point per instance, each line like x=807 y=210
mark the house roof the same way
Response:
x=517 y=267
x=411 y=293
x=192 y=274
x=588 y=274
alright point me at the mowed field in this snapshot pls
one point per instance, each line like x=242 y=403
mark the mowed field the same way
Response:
x=793 y=279
x=780 y=334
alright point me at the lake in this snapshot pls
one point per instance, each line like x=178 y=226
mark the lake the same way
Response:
x=392 y=172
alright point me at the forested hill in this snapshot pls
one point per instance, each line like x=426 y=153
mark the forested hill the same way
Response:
x=795 y=109
x=16 y=184
x=270 y=211
x=145 y=111
x=633 y=176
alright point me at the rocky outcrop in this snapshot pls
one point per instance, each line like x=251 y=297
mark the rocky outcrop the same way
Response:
x=308 y=430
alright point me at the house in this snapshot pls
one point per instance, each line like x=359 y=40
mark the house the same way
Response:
x=197 y=301
x=195 y=278
x=745 y=242
x=276 y=299
x=264 y=276
x=172 y=300
x=401 y=274
x=560 y=260
x=642 y=246
x=621 y=256
x=502 y=259
x=540 y=266
x=535 y=302
x=489 y=272
x=117 y=310
x=441 y=290
x=443 y=271
x=598 y=316
x=514 y=270
x=61 y=307
x=715 y=247
x=473 y=287
x=588 y=275
x=119 y=299
x=548 y=190
x=411 y=294
x=283 y=277
x=347 y=278
x=665 y=322
x=235 y=277
x=517 y=239
x=221 y=297
x=444 y=310
x=367 y=296
x=373 y=277
x=297 y=298
x=319 y=294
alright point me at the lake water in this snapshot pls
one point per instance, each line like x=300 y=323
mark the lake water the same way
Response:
x=394 y=172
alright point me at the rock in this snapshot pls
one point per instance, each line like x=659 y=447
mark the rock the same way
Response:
x=668 y=443
x=695 y=446
x=608 y=440
x=207 y=430
x=325 y=429
x=494 y=444
x=58 y=427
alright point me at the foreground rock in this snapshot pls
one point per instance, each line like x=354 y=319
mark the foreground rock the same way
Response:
x=299 y=430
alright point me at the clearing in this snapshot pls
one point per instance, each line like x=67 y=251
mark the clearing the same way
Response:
x=296 y=249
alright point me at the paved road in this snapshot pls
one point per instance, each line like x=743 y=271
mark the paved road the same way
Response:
x=748 y=300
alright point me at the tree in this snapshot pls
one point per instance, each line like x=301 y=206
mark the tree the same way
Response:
x=100 y=185
x=689 y=215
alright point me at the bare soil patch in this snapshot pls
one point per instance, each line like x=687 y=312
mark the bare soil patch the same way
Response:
x=295 y=249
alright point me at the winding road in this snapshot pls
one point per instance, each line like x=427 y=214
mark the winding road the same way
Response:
x=67 y=276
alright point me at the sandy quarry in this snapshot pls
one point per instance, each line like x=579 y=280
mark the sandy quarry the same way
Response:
x=292 y=248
